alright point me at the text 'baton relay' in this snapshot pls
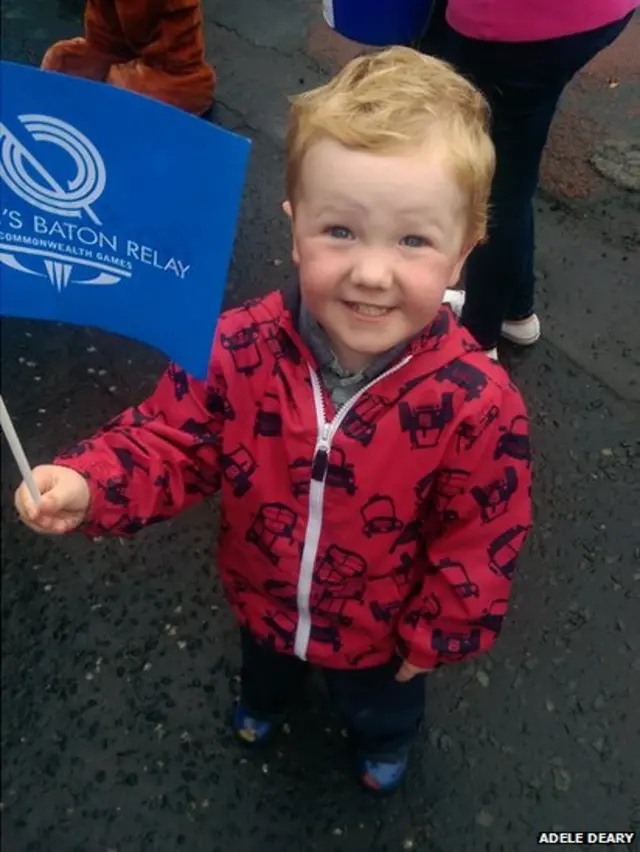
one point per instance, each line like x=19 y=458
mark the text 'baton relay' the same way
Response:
x=134 y=238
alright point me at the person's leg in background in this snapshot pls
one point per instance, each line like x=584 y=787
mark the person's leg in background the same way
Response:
x=170 y=64
x=269 y=681
x=92 y=55
x=499 y=276
x=523 y=84
x=383 y=717
x=152 y=47
x=435 y=30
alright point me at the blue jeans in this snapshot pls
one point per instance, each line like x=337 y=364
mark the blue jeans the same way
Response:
x=523 y=83
x=383 y=716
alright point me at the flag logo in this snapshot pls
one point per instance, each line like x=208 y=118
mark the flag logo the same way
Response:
x=21 y=170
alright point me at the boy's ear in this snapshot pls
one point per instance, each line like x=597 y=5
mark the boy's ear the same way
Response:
x=288 y=210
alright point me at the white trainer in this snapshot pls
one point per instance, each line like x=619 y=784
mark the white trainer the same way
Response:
x=524 y=333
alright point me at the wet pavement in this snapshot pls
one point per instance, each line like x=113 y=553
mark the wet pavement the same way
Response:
x=120 y=660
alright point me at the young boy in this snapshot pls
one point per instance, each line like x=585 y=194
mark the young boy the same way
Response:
x=373 y=462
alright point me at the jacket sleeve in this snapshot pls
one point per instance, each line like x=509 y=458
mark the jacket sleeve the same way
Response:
x=477 y=517
x=155 y=459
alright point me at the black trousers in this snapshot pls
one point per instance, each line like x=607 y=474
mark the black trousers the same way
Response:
x=523 y=83
x=383 y=716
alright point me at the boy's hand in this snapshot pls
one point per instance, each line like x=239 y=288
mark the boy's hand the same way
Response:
x=407 y=672
x=64 y=504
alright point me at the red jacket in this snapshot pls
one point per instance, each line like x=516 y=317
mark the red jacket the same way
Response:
x=392 y=525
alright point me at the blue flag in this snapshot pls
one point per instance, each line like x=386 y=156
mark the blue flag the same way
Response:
x=116 y=211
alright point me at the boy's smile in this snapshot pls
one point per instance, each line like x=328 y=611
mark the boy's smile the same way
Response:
x=378 y=239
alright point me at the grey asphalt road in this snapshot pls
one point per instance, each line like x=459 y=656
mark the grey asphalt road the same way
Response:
x=120 y=660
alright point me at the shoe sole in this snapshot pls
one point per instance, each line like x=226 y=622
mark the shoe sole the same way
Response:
x=256 y=745
x=519 y=341
x=253 y=745
x=383 y=791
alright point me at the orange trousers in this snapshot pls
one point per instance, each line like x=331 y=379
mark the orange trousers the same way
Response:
x=153 y=47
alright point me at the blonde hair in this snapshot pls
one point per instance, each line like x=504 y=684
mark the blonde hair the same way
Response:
x=391 y=101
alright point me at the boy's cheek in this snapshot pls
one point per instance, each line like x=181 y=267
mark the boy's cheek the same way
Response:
x=312 y=257
x=313 y=292
x=318 y=274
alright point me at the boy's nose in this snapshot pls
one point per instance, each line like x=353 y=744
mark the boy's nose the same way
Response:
x=372 y=269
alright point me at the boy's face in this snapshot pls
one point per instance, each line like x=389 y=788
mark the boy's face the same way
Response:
x=377 y=240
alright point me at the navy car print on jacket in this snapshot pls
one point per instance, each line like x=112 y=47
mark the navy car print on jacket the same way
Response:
x=390 y=525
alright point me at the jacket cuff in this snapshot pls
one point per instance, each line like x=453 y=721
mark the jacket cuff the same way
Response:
x=96 y=510
x=421 y=658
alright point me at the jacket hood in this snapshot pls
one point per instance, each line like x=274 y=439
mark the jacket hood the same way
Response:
x=279 y=311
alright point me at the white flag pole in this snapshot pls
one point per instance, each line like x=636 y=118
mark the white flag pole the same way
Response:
x=18 y=453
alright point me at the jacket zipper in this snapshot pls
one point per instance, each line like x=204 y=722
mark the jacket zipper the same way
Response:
x=319 y=468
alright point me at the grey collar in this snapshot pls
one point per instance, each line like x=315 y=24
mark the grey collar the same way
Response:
x=315 y=338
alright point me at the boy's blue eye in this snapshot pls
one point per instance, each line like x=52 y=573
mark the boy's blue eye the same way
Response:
x=338 y=232
x=414 y=241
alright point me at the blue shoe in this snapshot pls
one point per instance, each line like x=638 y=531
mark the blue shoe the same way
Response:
x=250 y=730
x=383 y=777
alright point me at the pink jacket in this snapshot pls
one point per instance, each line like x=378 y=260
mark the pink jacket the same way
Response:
x=533 y=20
